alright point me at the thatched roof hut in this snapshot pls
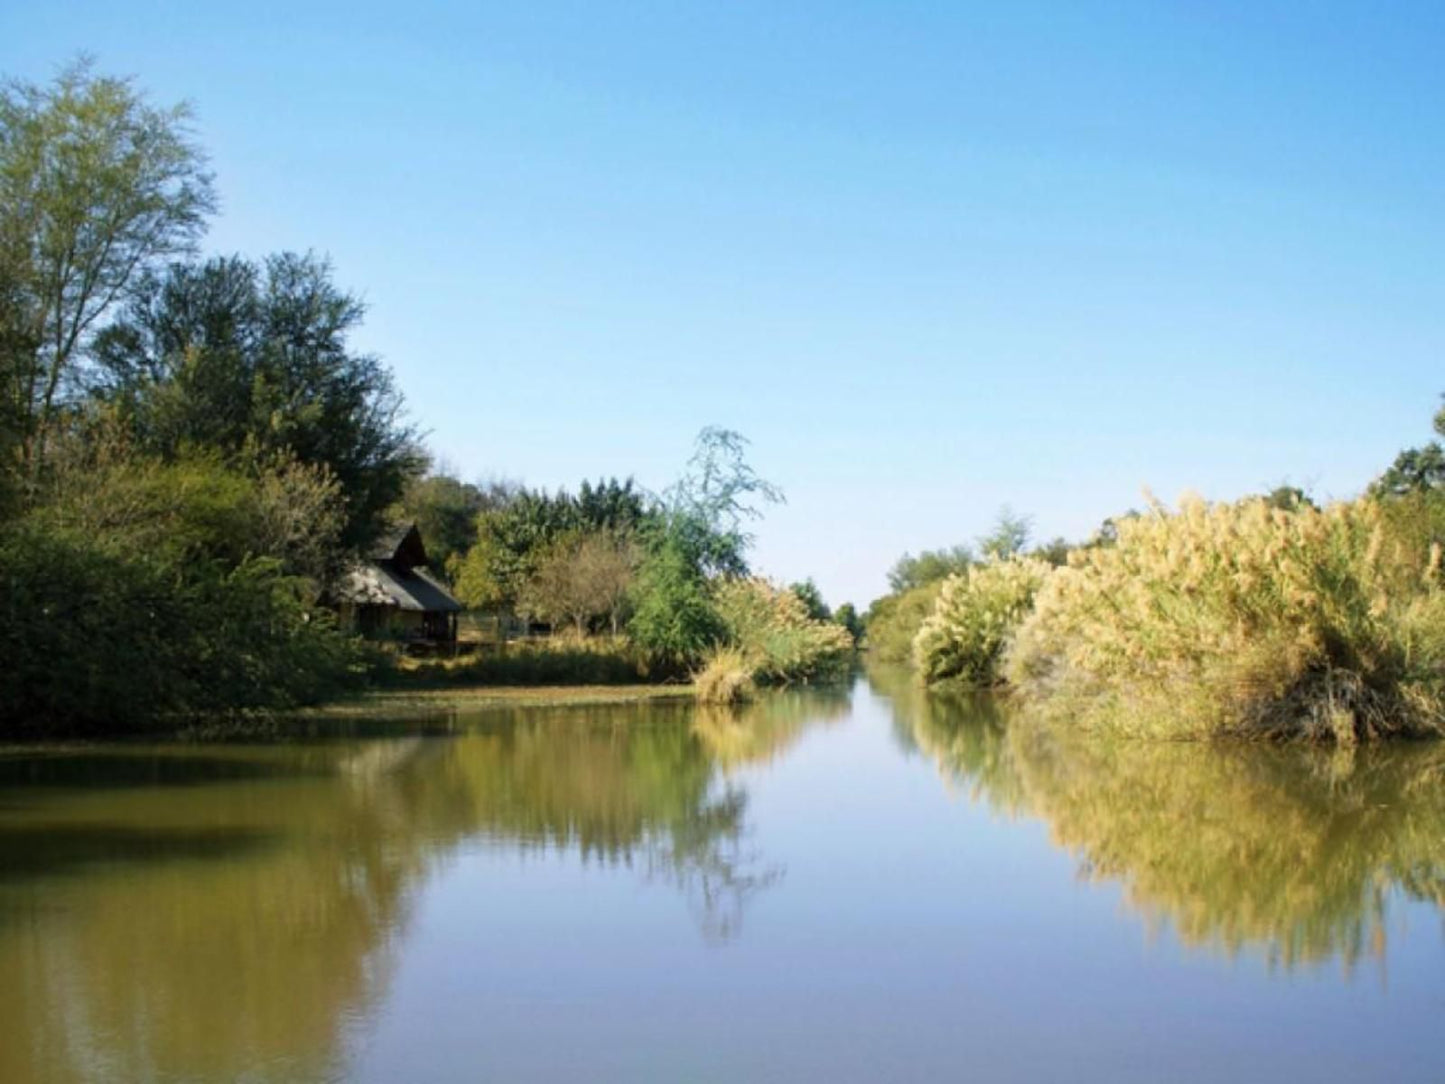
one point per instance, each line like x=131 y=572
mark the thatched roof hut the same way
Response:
x=393 y=594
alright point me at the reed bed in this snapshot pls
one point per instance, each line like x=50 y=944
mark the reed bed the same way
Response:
x=1243 y=619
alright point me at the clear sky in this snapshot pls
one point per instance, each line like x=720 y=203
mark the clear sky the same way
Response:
x=929 y=257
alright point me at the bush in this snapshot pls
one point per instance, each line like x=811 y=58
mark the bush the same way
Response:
x=770 y=629
x=973 y=619
x=1241 y=618
x=97 y=642
x=726 y=678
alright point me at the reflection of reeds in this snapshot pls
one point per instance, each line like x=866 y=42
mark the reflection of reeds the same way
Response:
x=1295 y=850
x=758 y=732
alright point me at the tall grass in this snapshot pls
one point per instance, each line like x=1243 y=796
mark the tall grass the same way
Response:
x=973 y=619
x=725 y=678
x=1244 y=619
x=563 y=660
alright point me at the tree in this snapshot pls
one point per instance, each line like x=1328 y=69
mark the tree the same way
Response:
x=253 y=360
x=581 y=576
x=96 y=185
x=445 y=510
x=1055 y=552
x=718 y=492
x=696 y=533
x=928 y=567
x=847 y=616
x=1009 y=536
x=812 y=599
x=673 y=616
x=1415 y=470
x=1290 y=498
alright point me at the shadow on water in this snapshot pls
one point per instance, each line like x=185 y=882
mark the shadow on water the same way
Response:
x=56 y=849
x=1293 y=851
x=206 y=912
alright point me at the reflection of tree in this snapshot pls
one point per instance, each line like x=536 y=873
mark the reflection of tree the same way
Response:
x=226 y=910
x=1296 y=850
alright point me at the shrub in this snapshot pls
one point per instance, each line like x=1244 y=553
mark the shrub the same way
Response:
x=726 y=678
x=1247 y=619
x=770 y=628
x=98 y=641
x=973 y=618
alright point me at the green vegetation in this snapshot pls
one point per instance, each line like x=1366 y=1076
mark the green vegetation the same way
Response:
x=769 y=638
x=193 y=457
x=553 y=661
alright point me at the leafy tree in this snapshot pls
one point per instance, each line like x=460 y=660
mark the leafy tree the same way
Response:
x=581 y=576
x=253 y=360
x=1289 y=498
x=697 y=532
x=847 y=616
x=1009 y=536
x=1054 y=552
x=96 y=185
x=928 y=567
x=673 y=616
x=445 y=510
x=610 y=505
x=706 y=509
x=1415 y=470
x=812 y=599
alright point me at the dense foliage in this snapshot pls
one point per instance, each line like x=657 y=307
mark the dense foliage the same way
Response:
x=159 y=591
x=188 y=452
x=252 y=359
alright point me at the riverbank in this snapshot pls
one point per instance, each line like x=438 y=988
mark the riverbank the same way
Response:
x=408 y=701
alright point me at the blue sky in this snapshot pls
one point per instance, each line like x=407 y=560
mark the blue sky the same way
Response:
x=930 y=258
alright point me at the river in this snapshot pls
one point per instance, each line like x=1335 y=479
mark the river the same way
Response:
x=858 y=885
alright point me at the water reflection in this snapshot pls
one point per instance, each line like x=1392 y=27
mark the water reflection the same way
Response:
x=1294 y=851
x=212 y=912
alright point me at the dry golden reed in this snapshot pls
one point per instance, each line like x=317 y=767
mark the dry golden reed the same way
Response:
x=1243 y=618
x=974 y=618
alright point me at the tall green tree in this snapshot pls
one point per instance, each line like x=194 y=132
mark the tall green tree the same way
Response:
x=254 y=360
x=697 y=533
x=1009 y=536
x=96 y=186
x=812 y=599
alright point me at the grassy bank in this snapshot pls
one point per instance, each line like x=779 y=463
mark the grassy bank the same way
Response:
x=405 y=702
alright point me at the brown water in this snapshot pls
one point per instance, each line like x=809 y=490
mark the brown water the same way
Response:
x=875 y=886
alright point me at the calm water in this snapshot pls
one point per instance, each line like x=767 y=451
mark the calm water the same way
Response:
x=828 y=888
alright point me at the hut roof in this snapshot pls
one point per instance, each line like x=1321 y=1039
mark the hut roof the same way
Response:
x=386 y=583
x=401 y=545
